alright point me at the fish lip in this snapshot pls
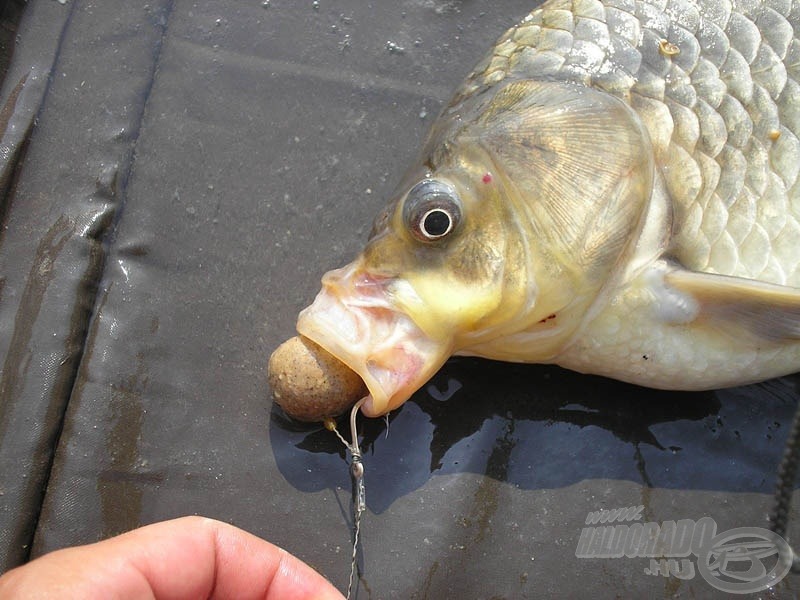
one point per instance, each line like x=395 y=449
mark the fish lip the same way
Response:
x=354 y=319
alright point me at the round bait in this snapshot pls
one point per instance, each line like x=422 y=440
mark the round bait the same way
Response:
x=311 y=384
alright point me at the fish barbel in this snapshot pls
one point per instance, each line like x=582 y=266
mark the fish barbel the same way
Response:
x=613 y=189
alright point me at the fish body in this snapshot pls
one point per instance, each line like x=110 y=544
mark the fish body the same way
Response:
x=613 y=189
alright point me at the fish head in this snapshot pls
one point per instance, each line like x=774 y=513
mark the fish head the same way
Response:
x=432 y=272
x=522 y=202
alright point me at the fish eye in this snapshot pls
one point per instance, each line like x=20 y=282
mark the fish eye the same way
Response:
x=431 y=210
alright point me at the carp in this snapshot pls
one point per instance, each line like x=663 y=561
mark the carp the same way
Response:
x=613 y=189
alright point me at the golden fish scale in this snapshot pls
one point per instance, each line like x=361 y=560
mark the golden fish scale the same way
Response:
x=723 y=112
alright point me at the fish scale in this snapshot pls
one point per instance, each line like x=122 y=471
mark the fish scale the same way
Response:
x=722 y=113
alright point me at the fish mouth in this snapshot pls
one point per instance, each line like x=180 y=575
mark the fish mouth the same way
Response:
x=354 y=318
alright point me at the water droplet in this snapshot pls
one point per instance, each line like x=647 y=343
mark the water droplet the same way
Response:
x=394 y=48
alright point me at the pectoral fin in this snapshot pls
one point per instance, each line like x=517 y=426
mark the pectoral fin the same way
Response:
x=740 y=306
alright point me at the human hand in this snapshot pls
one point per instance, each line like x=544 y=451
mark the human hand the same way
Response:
x=191 y=557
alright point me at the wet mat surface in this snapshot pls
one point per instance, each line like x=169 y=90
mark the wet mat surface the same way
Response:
x=180 y=197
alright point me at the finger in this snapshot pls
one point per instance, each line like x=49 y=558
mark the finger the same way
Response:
x=190 y=557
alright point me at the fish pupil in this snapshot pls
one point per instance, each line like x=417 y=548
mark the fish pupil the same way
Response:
x=436 y=223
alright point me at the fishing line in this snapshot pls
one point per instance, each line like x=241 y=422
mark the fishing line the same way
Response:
x=359 y=491
x=787 y=474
